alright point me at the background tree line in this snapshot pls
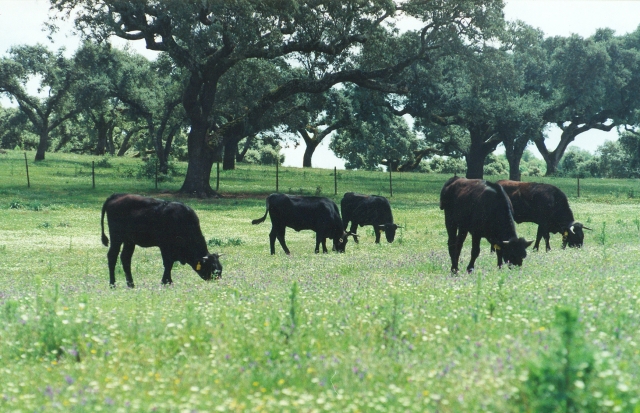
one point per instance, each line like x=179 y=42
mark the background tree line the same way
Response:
x=235 y=80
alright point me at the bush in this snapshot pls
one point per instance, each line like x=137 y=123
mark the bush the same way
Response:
x=148 y=170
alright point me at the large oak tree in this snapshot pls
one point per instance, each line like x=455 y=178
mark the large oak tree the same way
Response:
x=207 y=38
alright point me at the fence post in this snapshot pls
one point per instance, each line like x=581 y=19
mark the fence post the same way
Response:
x=217 y=175
x=277 y=162
x=578 y=186
x=335 y=179
x=390 y=183
x=26 y=165
x=93 y=174
x=156 y=173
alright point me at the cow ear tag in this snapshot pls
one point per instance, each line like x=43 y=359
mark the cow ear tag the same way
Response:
x=496 y=247
x=198 y=266
x=566 y=233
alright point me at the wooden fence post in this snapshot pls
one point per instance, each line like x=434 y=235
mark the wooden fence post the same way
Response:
x=93 y=174
x=578 y=186
x=26 y=165
x=335 y=179
x=390 y=183
x=277 y=162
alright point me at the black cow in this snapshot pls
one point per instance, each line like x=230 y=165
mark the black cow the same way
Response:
x=483 y=209
x=368 y=210
x=147 y=222
x=304 y=212
x=547 y=206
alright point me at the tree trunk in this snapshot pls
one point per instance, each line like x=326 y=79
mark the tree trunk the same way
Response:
x=102 y=129
x=514 y=168
x=475 y=156
x=125 y=142
x=201 y=158
x=229 y=157
x=111 y=148
x=308 y=153
x=247 y=144
x=43 y=143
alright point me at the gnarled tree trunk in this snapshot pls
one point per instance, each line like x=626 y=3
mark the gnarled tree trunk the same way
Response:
x=201 y=158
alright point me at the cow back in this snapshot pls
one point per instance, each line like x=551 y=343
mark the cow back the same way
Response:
x=479 y=207
x=366 y=209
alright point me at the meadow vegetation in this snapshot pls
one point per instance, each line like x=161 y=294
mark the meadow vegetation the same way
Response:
x=379 y=328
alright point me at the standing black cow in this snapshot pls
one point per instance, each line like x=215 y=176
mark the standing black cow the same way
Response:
x=304 y=212
x=368 y=210
x=147 y=222
x=547 y=206
x=483 y=209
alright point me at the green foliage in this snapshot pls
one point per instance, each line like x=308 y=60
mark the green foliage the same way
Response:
x=450 y=165
x=562 y=380
x=230 y=242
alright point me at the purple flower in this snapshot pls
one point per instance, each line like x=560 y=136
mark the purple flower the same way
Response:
x=109 y=401
x=69 y=379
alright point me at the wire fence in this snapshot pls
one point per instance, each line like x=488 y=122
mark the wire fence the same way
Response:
x=18 y=170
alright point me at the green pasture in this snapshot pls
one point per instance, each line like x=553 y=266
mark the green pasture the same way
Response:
x=379 y=328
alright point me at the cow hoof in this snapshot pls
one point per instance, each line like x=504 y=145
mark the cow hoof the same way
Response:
x=131 y=285
x=112 y=286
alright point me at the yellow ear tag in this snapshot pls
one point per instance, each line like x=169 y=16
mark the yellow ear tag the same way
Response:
x=565 y=233
x=198 y=266
x=496 y=247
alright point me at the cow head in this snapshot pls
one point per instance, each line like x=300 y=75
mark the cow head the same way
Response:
x=573 y=235
x=389 y=231
x=209 y=267
x=514 y=250
x=339 y=243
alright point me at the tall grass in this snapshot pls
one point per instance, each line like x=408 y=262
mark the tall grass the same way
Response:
x=379 y=328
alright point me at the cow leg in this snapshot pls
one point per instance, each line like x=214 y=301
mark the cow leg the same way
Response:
x=475 y=251
x=546 y=240
x=280 y=236
x=536 y=246
x=272 y=240
x=112 y=257
x=125 y=257
x=377 y=232
x=354 y=230
x=167 y=261
x=453 y=247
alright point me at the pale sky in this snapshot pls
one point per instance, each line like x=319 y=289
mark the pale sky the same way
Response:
x=21 y=22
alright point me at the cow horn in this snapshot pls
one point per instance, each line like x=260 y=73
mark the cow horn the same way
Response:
x=587 y=228
x=219 y=254
x=571 y=229
x=505 y=242
x=205 y=258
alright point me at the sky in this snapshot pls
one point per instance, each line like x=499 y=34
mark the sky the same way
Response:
x=21 y=22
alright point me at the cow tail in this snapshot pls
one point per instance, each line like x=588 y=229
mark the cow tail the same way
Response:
x=261 y=220
x=105 y=240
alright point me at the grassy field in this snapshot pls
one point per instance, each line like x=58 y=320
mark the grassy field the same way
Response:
x=379 y=328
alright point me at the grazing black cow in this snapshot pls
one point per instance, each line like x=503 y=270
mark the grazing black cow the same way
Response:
x=368 y=210
x=483 y=209
x=304 y=212
x=147 y=222
x=547 y=206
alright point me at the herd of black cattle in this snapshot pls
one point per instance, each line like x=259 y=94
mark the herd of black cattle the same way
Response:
x=484 y=209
